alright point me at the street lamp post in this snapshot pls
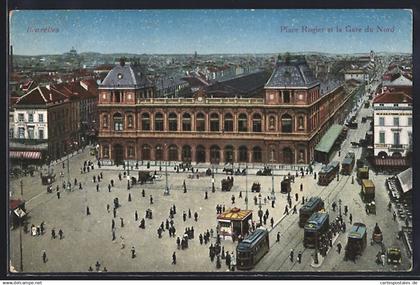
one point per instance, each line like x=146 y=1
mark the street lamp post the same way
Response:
x=260 y=212
x=246 y=185
x=339 y=207
x=166 y=192
x=20 y=231
x=273 y=195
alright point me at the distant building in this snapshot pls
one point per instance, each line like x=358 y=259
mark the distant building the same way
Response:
x=393 y=124
x=282 y=124
x=357 y=74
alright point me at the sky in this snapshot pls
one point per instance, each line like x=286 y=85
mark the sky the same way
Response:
x=210 y=31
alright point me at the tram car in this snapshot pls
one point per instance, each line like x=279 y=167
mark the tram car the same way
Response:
x=47 y=178
x=227 y=184
x=328 y=173
x=348 y=164
x=313 y=205
x=362 y=173
x=356 y=241
x=250 y=250
x=317 y=225
x=256 y=187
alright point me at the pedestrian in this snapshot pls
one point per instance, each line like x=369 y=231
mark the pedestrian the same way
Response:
x=97 y=187
x=41 y=227
x=272 y=204
x=189 y=213
x=297 y=197
x=291 y=255
x=94 y=179
x=174 y=258
x=151 y=200
x=133 y=252
x=60 y=233
x=112 y=224
x=301 y=186
x=122 y=222
x=286 y=210
x=233 y=199
x=272 y=222
x=119 y=176
x=97 y=265
x=299 y=257
x=339 y=248
x=303 y=200
x=90 y=269
x=107 y=207
x=200 y=237
x=143 y=194
x=294 y=209
x=346 y=210
x=351 y=219
x=278 y=237
x=101 y=174
x=87 y=210
x=112 y=182
x=136 y=216
x=394 y=216
x=80 y=186
x=206 y=196
x=195 y=216
x=211 y=233
x=129 y=197
x=58 y=194
x=53 y=233
x=44 y=256
x=184 y=216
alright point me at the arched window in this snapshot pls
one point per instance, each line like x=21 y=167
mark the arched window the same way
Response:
x=186 y=153
x=186 y=122
x=145 y=152
x=229 y=154
x=228 y=122
x=105 y=121
x=301 y=124
x=256 y=123
x=158 y=122
x=256 y=154
x=200 y=122
x=173 y=153
x=286 y=123
x=382 y=154
x=145 y=122
x=214 y=122
x=200 y=154
x=130 y=121
x=243 y=154
x=288 y=156
x=242 y=123
x=118 y=122
x=173 y=124
x=159 y=152
x=130 y=151
x=214 y=154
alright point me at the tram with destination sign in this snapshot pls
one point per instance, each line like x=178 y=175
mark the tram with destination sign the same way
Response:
x=252 y=249
x=313 y=205
x=317 y=225
x=328 y=173
x=356 y=241
x=348 y=164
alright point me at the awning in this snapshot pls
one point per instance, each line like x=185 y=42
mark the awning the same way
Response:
x=25 y=154
x=329 y=138
x=406 y=180
x=390 y=161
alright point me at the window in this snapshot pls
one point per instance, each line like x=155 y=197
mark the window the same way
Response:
x=201 y=122
x=186 y=122
x=21 y=117
x=242 y=123
x=173 y=124
x=130 y=121
x=228 y=123
x=31 y=133
x=243 y=154
x=286 y=96
x=10 y=133
x=396 y=138
x=117 y=97
x=145 y=152
x=158 y=122
x=256 y=154
x=173 y=153
x=286 y=123
x=118 y=122
x=395 y=105
x=396 y=121
x=30 y=118
x=130 y=151
x=300 y=123
x=214 y=122
x=105 y=121
x=410 y=122
x=41 y=118
x=41 y=134
x=256 y=123
x=21 y=132
x=381 y=121
x=382 y=137
x=145 y=122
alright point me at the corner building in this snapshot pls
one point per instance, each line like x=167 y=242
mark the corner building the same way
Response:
x=281 y=124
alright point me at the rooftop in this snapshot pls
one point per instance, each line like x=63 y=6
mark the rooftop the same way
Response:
x=126 y=75
x=393 y=97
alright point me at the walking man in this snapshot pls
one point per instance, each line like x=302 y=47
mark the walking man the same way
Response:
x=272 y=222
x=278 y=237
x=97 y=187
x=44 y=256
x=195 y=216
x=291 y=255
x=151 y=200
x=299 y=257
x=339 y=247
x=87 y=211
x=136 y=216
x=286 y=210
x=53 y=233
x=60 y=233
x=174 y=258
x=133 y=252
x=301 y=186
x=351 y=219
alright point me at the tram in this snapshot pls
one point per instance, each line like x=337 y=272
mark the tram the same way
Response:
x=327 y=173
x=317 y=225
x=252 y=249
x=348 y=164
x=313 y=205
x=356 y=241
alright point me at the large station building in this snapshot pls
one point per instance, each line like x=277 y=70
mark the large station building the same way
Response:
x=282 y=120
